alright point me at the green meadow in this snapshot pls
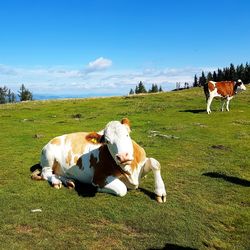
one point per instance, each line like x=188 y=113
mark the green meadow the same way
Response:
x=205 y=162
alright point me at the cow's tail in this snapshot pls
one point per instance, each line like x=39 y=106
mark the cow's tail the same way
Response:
x=206 y=91
x=36 y=172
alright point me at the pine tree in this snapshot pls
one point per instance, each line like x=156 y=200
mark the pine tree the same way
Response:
x=214 y=76
x=160 y=89
x=131 y=92
x=9 y=95
x=154 y=89
x=209 y=76
x=195 y=84
x=232 y=72
x=136 y=89
x=220 y=75
x=3 y=94
x=25 y=94
x=141 y=88
x=202 y=79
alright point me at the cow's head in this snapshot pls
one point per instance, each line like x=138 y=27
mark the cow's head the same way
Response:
x=116 y=136
x=239 y=86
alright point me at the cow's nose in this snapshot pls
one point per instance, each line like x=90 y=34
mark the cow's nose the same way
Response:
x=123 y=157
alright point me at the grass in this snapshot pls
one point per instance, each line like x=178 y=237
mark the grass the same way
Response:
x=205 y=166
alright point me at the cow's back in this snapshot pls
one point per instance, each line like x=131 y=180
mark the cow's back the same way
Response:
x=223 y=88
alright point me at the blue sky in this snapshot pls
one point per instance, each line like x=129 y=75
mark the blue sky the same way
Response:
x=105 y=47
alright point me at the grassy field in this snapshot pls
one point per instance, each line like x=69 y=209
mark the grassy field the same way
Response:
x=205 y=165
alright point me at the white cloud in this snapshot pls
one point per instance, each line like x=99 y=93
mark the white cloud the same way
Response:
x=99 y=64
x=65 y=80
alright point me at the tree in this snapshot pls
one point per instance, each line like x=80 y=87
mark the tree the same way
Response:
x=186 y=85
x=25 y=94
x=160 y=89
x=209 y=76
x=3 y=94
x=131 y=92
x=154 y=89
x=202 y=79
x=195 y=84
x=136 y=89
x=214 y=76
x=220 y=75
x=141 y=88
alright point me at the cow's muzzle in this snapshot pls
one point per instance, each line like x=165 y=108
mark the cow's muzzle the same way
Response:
x=124 y=159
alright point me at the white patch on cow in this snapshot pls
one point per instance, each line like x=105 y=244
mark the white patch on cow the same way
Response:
x=114 y=186
x=119 y=142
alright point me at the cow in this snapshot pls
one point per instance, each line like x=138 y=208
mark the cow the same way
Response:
x=225 y=89
x=110 y=160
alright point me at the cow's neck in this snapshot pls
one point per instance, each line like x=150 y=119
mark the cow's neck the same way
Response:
x=235 y=88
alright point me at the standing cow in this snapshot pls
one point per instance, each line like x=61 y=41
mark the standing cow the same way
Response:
x=110 y=160
x=225 y=89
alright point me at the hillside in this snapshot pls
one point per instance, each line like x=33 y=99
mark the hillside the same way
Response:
x=205 y=165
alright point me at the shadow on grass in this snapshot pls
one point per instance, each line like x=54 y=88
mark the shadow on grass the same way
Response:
x=232 y=179
x=150 y=194
x=194 y=111
x=35 y=167
x=85 y=190
x=169 y=246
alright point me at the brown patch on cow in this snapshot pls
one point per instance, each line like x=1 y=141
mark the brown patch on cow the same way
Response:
x=56 y=167
x=126 y=121
x=225 y=88
x=93 y=137
x=56 y=141
x=69 y=157
x=77 y=142
x=79 y=163
x=75 y=159
x=104 y=167
x=211 y=86
x=139 y=155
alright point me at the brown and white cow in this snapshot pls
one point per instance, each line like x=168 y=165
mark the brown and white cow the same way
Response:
x=110 y=160
x=225 y=89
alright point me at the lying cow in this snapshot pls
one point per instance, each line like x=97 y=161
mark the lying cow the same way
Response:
x=226 y=90
x=110 y=160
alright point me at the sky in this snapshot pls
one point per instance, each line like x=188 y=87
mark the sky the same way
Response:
x=106 y=47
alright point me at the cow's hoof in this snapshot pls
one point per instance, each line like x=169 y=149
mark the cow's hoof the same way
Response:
x=161 y=199
x=70 y=184
x=57 y=186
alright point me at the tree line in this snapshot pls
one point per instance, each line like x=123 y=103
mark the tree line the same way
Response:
x=140 y=88
x=7 y=96
x=231 y=73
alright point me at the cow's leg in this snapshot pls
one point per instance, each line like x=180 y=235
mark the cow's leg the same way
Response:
x=114 y=186
x=154 y=165
x=228 y=100
x=223 y=104
x=69 y=183
x=209 y=101
x=54 y=180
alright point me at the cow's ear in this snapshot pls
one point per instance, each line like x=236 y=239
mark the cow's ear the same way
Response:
x=126 y=122
x=94 y=138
